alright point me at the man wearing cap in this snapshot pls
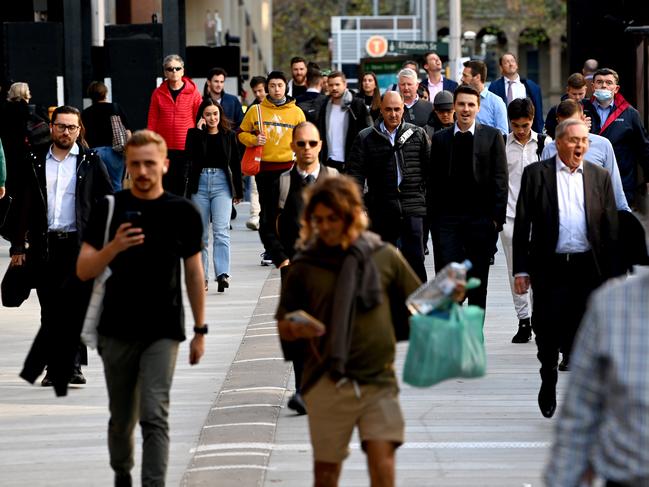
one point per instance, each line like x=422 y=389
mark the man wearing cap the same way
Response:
x=443 y=113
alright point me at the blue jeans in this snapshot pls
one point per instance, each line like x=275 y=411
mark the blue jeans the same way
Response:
x=114 y=163
x=214 y=199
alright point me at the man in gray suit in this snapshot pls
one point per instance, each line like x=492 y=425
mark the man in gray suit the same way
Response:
x=568 y=205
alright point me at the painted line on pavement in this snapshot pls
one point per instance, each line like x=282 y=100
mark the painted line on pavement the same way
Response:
x=262 y=335
x=257 y=360
x=233 y=454
x=271 y=296
x=442 y=445
x=262 y=323
x=224 y=425
x=253 y=389
x=230 y=467
x=236 y=406
x=262 y=328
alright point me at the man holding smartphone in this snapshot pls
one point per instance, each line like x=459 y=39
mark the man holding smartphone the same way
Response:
x=142 y=321
x=356 y=285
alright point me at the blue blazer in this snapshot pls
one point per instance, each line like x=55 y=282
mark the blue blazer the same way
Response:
x=533 y=92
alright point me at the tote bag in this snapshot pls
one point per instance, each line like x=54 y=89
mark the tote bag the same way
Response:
x=119 y=133
x=444 y=345
x=96 y=304
x=251 y=161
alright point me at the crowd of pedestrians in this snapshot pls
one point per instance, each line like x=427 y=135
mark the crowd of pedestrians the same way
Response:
x=351 y=186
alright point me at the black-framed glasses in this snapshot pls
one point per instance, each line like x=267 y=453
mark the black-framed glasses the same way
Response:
x=171 y=69
x=303 y=143
x=61 y=127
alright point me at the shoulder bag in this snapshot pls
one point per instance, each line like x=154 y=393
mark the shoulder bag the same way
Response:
x=251 y=162
x=96 y=304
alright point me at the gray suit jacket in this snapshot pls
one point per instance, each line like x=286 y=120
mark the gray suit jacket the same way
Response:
x=538 y=211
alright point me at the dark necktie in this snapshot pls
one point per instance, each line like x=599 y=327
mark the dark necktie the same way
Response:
x=310 y=179
x=510 y=92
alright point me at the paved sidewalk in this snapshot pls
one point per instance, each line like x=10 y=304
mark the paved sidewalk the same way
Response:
x=229 y=423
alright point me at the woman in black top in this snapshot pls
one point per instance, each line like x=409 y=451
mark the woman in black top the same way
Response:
x=370 y=94
x=99 y=131
x=214 y=184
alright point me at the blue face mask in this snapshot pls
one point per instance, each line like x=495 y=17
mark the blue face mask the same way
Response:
x=603 y=95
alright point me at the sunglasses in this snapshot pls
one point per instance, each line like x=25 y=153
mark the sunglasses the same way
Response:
x=303 y=143
x=171 y=69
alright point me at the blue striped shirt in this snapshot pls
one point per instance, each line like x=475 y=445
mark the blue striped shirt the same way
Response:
x=604 y=421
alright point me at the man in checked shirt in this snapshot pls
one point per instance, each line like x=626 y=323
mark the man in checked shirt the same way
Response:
x=603 y=429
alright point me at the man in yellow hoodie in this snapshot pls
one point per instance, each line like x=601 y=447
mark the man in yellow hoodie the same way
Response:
x=279 y=115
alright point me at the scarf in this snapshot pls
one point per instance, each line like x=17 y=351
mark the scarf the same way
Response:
x=358 y=284
x=277 y=103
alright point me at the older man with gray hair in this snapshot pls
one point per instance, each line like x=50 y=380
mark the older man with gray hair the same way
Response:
x=417 y=111
x=564 y=242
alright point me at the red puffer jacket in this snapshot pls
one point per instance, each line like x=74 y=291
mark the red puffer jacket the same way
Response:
x=172 y=119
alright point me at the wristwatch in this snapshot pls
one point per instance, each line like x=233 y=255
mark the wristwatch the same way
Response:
x=201 y=330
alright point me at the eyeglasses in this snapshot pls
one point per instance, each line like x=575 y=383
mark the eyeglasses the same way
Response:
x=171 y=69
x=303 y=143
x=61 y=127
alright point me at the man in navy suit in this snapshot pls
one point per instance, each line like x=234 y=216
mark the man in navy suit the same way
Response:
x=511 y=86
x=435 y=82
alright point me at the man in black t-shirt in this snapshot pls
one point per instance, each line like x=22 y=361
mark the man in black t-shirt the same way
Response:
x=142 y=319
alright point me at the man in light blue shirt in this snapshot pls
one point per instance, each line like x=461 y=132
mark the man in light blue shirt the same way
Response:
x=493 y=111
x=600 y=151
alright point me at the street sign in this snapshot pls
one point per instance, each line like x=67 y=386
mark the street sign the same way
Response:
x=376 y=46
x=417 y=47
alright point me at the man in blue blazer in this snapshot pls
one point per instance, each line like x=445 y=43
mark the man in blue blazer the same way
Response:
x=511 y=86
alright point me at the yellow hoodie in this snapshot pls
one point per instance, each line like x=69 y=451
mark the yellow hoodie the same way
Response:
x=278 y=126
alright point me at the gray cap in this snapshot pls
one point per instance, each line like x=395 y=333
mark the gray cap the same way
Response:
x=443 y=100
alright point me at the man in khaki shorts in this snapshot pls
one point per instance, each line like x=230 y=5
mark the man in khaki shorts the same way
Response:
x=348 y=280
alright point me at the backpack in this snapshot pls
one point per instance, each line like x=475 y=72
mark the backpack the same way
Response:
x=540 y=145
x=38 y=131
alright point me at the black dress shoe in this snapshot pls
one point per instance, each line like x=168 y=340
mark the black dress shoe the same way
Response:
x=524 y=333
x=547 y=399
x=47 y=381
x=222 y=282
x=296 y=403
x=564 y=365
x=123 y=480
x=77 y=377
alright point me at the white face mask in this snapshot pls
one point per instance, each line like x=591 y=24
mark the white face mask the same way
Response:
x=603 y=95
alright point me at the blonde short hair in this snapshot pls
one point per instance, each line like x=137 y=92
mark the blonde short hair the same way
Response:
x=18 y=91
x=144 y=137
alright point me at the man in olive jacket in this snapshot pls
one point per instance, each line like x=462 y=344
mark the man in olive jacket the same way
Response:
x=392 y=157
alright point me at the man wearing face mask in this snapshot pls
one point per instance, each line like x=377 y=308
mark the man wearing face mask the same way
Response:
x=622 y=126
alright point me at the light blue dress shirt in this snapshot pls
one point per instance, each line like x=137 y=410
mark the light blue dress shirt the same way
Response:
x=604 y=112
x=392 y=136
x=600 y=152
x=493 y=111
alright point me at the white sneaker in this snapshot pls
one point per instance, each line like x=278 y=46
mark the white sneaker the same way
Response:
x=253 y=223
x=265 y=261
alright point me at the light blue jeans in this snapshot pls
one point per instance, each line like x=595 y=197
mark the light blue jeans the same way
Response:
x=214 y=199
x=114 y=163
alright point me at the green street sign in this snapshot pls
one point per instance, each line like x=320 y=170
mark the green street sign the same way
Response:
x=417 y=47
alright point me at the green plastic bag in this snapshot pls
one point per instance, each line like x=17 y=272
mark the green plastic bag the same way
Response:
x=446 y=344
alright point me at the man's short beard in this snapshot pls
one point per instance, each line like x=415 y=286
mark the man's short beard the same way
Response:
x=59 y=145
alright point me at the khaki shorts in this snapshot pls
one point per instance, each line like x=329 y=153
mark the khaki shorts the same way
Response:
x=333 y=413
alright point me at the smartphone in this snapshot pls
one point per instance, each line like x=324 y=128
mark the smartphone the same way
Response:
x=134 y=218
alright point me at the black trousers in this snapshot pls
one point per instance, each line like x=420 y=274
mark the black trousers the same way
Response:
x=268 y=188
x=177 y=177
x=466 y=237
x=405 y=233
x=561 y=288
x=339 y=165
x=64 y=300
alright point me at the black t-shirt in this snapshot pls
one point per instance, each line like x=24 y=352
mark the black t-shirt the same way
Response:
x=298 y=90
x=215 y=149
x=175 y=93
x=96 y=121
x=143 y=299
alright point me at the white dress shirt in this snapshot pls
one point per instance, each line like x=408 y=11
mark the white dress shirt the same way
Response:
x=61 y=179
x=471 y=128
x=573 y=230
x=518 y=88
x=434 y=88
x=304 y=174
x=337 y=132
x=519 y=156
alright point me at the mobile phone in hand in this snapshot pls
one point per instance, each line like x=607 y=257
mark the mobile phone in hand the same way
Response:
x=134 y=218
x=302 y=317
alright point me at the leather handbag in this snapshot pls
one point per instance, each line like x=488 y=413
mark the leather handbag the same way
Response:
x=251 y=162
x=17 y=283
x=5 y=206
x=96 y=304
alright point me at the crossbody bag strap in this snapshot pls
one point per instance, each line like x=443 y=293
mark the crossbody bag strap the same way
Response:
x=262 y=130
x=109 y=217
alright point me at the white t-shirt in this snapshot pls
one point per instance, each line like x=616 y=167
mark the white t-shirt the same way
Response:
x=337 y=132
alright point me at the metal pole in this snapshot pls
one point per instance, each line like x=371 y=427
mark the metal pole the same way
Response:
x=432 y=20
x=375 y=8
x=72 y=53
x=455 y=35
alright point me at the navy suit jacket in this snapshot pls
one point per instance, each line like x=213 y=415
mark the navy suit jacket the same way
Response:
x=533 y=92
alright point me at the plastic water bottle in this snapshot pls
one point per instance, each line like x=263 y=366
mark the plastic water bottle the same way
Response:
x=438 y=292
